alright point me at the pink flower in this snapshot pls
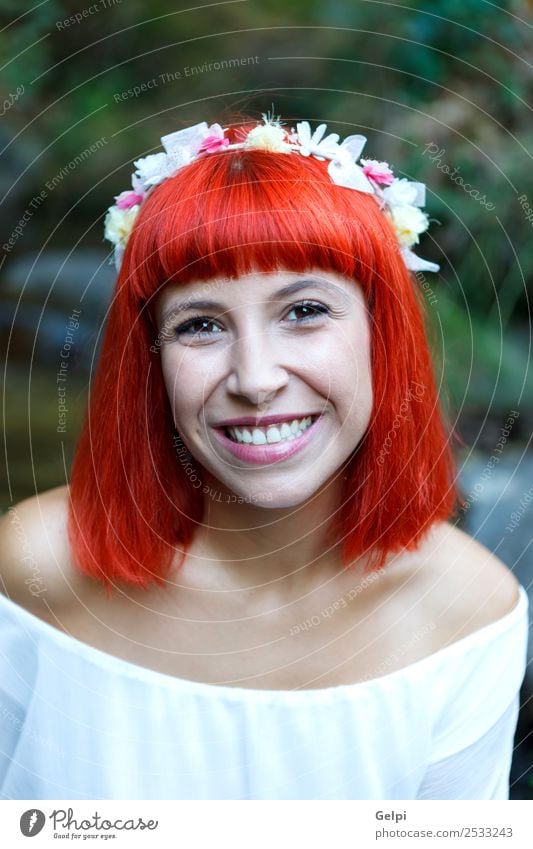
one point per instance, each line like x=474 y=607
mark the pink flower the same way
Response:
x=214 y=141
x=125 y=200
x=377 y=171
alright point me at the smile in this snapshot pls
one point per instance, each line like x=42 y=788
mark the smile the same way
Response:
x=283 y=431
x=263 y=445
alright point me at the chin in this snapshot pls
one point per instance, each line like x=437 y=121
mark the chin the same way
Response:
x=273 y=497
x=278 y=502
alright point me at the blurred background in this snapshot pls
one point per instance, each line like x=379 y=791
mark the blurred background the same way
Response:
x=442 y=92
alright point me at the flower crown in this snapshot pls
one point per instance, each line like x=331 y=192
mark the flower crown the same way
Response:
x=400 y=199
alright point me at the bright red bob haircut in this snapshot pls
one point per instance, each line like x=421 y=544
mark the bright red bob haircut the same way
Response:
x=132 y=506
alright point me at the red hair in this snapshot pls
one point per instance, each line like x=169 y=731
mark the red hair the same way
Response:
x=230 y=213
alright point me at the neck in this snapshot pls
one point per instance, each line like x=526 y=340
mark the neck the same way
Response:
x=251 y=545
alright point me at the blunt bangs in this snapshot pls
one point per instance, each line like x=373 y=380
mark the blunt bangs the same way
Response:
x=231 y=214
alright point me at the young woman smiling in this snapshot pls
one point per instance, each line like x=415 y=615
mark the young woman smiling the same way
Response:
x=253 y=585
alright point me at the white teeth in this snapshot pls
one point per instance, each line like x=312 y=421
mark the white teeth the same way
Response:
x=260 y=436
x=273 y=435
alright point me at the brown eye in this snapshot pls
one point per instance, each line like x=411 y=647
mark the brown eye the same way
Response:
x=309 y=311
x=196 y=326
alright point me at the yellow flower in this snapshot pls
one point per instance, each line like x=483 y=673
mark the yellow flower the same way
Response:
x=409 y=222
x=268 y=137
x=118 y=223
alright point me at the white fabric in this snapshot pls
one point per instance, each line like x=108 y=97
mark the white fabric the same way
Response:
x=78 y=723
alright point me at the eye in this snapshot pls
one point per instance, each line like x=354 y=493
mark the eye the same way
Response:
x=309 y=310
x=201 y=321
x=198 y=326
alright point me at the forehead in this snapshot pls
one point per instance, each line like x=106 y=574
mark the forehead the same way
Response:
x=256 y=287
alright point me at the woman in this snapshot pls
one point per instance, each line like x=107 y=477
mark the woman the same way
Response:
x=252 y=589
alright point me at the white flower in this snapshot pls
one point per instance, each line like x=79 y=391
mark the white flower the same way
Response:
x=268 y=137
x=152 y=169
x=137 y=183
x=409 y=222
x=118 y=255
x=314 y=145
x=118 y=223
x=183 y=146
x=345 y=172
x=354 y=145
x=416 y=263
x=404 y=192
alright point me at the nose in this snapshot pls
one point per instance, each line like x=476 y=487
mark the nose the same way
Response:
x=256 y=373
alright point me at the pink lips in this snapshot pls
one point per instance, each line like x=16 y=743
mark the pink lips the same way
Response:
x=268 y=453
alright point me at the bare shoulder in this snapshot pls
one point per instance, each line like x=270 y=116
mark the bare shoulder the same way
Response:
x=456 y=583
x=462 y=585
x=35 y=563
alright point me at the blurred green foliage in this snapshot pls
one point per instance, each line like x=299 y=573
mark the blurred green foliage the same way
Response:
x=39 y=457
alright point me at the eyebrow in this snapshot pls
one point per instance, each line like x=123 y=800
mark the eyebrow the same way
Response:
x=204 y=304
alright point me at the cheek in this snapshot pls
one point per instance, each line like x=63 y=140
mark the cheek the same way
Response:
x=363 y=389
x=355 y=402
x=185 y=390
x=341 y=371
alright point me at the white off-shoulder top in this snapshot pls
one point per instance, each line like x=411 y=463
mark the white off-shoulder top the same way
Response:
x=79 y=723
